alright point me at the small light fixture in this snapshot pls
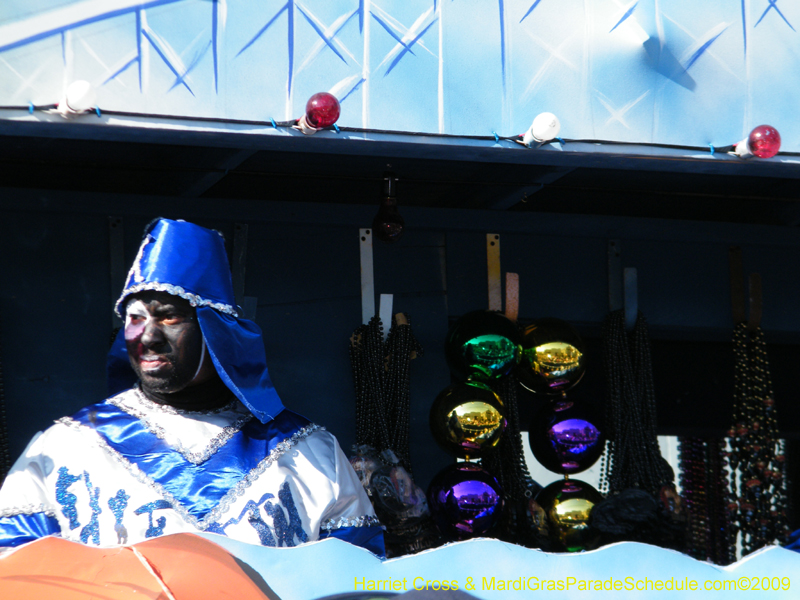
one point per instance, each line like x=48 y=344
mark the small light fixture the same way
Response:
x=79 y=98
x=544 y=128
x=322 y=110
x=388 y=225
x=764 y=142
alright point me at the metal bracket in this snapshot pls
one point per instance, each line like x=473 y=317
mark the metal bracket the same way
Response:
x=385 y=313
x=367 y=276
x=623 y=292
x=493 y=271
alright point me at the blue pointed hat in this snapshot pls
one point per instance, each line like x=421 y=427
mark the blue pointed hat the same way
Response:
x=190 y=261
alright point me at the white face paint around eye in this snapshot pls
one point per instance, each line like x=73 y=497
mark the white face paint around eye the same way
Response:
x=138 y=310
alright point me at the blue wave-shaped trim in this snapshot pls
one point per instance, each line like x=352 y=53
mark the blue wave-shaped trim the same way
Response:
x=329 y=567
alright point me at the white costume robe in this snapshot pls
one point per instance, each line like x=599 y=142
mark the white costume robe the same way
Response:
x=128 y=469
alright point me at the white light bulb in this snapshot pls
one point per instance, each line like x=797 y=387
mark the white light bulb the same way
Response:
x=544 y=128
x=80 y=97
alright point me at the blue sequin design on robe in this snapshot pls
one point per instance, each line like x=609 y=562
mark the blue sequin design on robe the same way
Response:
x=67 y=499
x=262 y=529
x=118 y=504
x=157 y=529
x=92 y=529
x=198 y=488
x=295 y=524
x=253 y=512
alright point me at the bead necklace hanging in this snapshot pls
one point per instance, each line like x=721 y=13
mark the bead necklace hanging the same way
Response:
x=704 y=481
x=381 y=374
x=758 y=482
x=634 y=458
x=507 y=463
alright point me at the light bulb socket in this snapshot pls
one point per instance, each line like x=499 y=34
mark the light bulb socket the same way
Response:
x=65 y=110
x=79 y=98
x=531 y=141
x=389 y=185
x=742 y=149
x=388 y=224
x=546 y=125
x=303 y=126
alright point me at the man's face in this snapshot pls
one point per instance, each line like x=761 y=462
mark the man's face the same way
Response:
x=164 y=341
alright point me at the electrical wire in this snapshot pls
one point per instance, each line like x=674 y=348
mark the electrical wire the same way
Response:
x=287 y=124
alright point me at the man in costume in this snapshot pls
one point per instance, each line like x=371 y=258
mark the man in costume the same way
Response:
x=194 y=437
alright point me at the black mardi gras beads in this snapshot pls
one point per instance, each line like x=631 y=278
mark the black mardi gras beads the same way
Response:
x=634 y=457
x=704 y=476
x=507 y=463
x=381 y=375
x=757 y=465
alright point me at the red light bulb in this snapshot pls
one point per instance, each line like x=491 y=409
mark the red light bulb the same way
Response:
x=764 y=141
x=322 y=110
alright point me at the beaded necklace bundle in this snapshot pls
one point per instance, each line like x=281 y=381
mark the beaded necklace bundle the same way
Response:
x=381 y=455
x=704 y=483
x=381 y=375
x=758 y=468
x=507 y=463
x=634 y=458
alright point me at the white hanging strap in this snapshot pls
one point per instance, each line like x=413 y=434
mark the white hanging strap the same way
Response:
x=493 y=264
x=385 y=312
x=367 y=276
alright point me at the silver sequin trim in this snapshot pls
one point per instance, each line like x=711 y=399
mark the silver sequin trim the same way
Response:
x=28 y=509
x=227 y=500
x=342 y=522
x=217 y=442
x=175 y=290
